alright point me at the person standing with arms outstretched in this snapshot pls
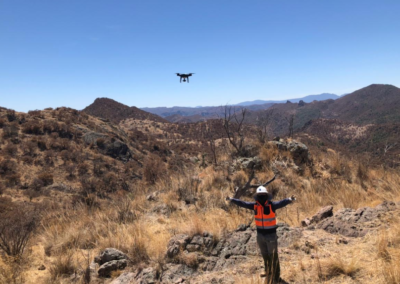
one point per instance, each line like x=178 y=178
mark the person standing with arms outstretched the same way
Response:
x=264 y=215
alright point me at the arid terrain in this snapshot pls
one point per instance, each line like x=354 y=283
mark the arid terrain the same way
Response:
x=113 y=194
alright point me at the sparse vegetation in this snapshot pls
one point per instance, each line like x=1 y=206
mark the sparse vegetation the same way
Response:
x=94 y=200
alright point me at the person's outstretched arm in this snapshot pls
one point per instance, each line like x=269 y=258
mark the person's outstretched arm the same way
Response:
x=241 y=203
x=282 y=203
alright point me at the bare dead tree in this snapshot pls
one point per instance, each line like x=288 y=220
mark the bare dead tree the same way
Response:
x=388 y=146
x=233 y=126
x=239 y=191
x=263 y=121
x=290 y=120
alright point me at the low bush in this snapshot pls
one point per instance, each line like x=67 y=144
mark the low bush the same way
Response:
x=154 y=169
x=47 y=178
x=17 y=226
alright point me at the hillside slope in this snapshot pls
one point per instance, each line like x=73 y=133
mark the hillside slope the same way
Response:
x=373 y=104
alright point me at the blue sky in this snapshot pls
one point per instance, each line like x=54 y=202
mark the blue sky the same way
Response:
x=69 y=52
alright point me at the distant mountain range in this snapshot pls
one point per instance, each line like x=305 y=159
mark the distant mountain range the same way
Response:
x=194 y=114
x=306 y=99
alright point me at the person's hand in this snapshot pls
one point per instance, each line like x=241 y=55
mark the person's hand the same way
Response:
x=227 y=198
x=293 y=198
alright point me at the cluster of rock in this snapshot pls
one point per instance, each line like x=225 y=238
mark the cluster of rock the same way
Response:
x=110 y=260
x=348 y=222
x=188 y=256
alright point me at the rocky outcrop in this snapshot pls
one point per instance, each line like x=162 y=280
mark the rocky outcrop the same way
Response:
x=354 y=223
x=298 y=150
x=110 y=260
x=215 y=256
x=247 y=163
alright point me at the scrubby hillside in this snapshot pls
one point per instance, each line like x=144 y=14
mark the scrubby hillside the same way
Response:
x=73 y=185
x=375 y=104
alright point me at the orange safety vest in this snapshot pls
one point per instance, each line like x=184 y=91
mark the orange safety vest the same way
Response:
x=264 y=221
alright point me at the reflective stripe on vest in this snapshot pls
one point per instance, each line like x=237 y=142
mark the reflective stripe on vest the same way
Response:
x=262 y=220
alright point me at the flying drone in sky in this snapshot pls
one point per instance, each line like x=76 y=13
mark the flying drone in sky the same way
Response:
x=184 y=77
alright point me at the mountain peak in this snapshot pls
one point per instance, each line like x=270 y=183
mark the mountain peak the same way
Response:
x=116 y=111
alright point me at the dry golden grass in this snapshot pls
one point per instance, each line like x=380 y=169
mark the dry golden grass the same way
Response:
x=130 y=223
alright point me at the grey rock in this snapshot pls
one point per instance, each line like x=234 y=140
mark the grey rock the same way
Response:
x=355 y=223
x=249 y=163
x=323 y=213
x=197 y=240
x=287 y=235
x=173 y=272
x=125 y=278
x=192 y=248
x=299 y=152
x=109 y=254
x=148 y=276
x=108 y=267
x=177 y=244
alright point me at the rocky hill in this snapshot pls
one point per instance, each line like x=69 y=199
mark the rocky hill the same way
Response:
x=114 y=111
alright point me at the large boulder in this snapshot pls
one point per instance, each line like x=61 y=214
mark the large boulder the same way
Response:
x=299 y=152
x=108 y=267
x=110 y=254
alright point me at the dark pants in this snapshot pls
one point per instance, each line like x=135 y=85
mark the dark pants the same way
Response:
x=268 y=244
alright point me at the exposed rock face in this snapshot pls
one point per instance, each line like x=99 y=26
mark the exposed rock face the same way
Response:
x=228 y=251
x=355 y=223
x=213 y=256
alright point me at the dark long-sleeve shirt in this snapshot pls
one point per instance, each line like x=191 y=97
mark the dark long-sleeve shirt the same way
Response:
x=274 y=204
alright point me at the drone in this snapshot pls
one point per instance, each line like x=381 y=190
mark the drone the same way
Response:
x=184 y=76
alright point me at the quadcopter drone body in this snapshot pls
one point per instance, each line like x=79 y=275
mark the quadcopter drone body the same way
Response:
x=184 y=77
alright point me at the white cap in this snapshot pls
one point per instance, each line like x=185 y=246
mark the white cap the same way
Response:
x=261 y=189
